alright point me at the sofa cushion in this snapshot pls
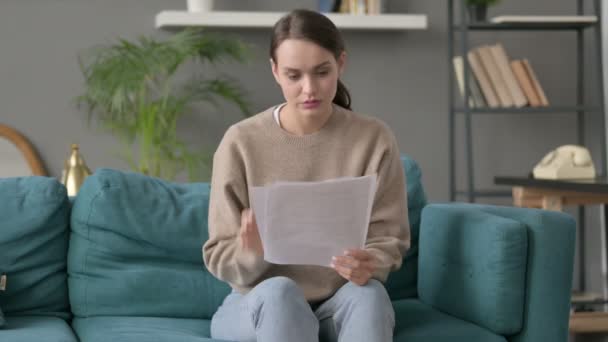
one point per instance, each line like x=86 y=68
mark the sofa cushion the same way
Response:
x=138 y=240
x=402 y=283
x=34 y=218
x=36 y=329
x=136 y=329
x=419 y=322
x=551 y=247
x=474 y=266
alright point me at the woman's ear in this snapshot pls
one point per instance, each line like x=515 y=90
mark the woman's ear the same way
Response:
x=274 y=68
x=341 y=63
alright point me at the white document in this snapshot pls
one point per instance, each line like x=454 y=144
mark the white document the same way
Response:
x=307 y=223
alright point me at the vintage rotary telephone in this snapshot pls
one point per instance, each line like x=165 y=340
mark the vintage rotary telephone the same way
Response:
x=566 y=162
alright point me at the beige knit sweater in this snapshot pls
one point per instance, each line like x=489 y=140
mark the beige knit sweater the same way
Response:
x=257 y=152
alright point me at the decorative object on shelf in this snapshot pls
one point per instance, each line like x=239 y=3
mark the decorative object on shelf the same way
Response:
x=18 y=157
x=200 y=5
x=566 y=162
x=478 y=9
x=132 y=91
x=75 y=170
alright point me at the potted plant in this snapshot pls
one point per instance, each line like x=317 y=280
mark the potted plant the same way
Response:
x=132 y=91
x=478 y=9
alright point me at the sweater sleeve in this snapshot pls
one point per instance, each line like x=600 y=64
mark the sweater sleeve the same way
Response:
x=388 y=235
x=222 y=253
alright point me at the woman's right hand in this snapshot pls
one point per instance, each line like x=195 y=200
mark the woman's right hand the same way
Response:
x=249 y=234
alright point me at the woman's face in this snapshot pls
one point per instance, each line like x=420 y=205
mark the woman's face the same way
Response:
x=308 y=76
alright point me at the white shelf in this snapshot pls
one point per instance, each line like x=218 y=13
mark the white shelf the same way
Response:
x=180 y=19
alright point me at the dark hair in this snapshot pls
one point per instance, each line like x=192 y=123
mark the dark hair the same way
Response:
x=317 y=28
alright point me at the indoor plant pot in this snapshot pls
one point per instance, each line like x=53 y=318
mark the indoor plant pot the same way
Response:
x=200 y=5
x=478 y=9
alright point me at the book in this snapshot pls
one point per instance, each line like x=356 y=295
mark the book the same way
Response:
x=537 y=87
x=485 y=85
x=510 y=19
x=502 y=62
x=375 y=6
x=356 y=6
x=489 y=64
x=476 y=92
x=475 y=97
x=519 y=70
x=345 y=7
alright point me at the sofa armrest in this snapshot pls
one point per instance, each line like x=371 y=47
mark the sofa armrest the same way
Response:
x=506 y=269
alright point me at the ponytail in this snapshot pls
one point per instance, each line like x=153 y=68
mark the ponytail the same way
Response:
x=342 y=97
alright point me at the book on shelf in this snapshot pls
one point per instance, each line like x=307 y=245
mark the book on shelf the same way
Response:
x=475 y=97
x=519 y=69
x=489 y=64
x=372 y=7
x=539 y=89
x=540 y=19
x=498 y=81
x=502 y=63
x=376 y=6
x=485 y=85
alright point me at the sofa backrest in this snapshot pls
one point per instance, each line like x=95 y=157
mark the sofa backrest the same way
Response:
x=34 y=218
x=135 y=248
x=403 y=282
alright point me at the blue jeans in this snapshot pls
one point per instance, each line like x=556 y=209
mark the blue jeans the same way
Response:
x=277 y=311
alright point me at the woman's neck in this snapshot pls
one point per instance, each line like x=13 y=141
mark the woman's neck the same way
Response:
x=298 y=124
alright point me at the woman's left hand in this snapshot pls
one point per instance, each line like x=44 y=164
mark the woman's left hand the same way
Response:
x=356 y=265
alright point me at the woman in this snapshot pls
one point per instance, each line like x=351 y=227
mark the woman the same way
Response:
x=313 y=136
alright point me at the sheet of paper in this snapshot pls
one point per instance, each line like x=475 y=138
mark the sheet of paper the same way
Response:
x=309 y=222
x=258 y=204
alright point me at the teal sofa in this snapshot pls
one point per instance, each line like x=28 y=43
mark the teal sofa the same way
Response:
x=122 y=262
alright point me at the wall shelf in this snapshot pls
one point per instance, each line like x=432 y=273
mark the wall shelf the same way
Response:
x=527 y=110
x=524 y=26
x=181 y=19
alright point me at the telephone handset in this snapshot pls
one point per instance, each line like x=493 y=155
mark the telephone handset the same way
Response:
x=566 y=162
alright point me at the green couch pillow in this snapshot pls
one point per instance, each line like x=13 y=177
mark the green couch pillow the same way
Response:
x=474 y=266
x=2 y=289
x=34 y=217
x=138 y=240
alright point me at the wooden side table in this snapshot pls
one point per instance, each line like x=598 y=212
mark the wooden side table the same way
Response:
x=554 y=195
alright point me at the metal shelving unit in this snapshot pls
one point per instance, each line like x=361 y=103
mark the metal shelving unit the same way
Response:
x=462 y=30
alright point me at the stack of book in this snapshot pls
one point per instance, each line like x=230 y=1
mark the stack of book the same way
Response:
x=353 y=6
x=498 y=82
